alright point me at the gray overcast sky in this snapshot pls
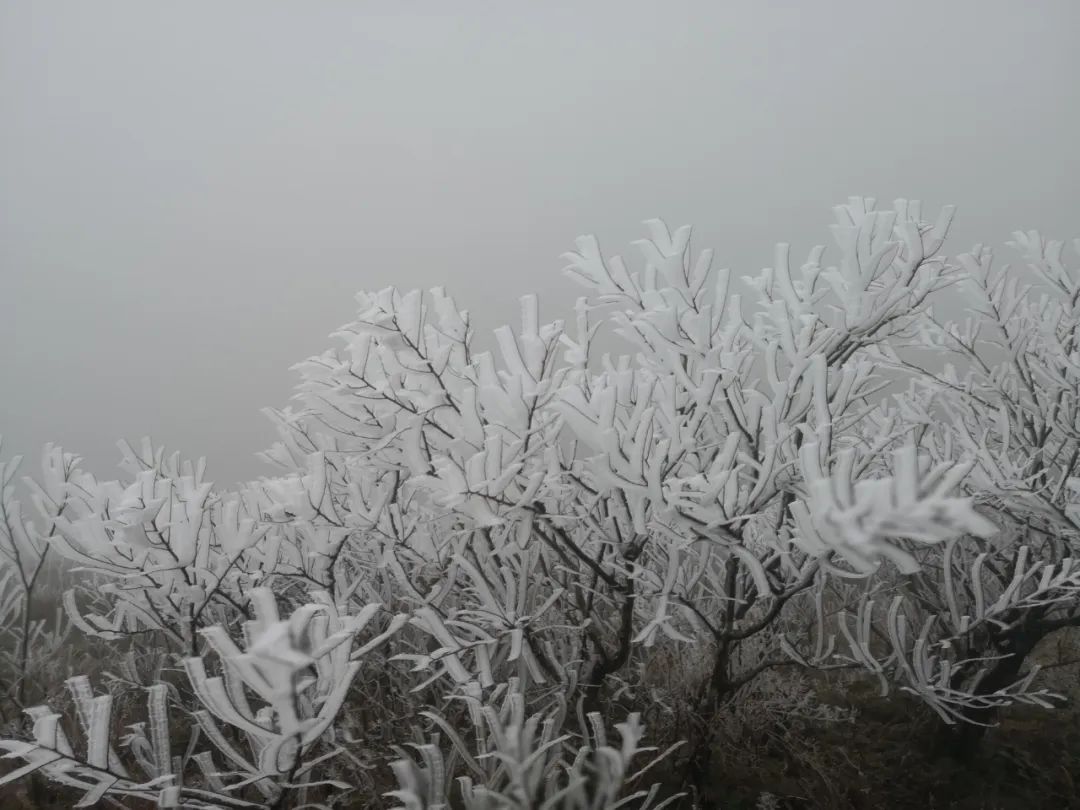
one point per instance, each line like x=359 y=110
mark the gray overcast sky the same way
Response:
x=190 y=193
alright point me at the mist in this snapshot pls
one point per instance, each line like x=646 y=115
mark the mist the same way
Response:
x=190 y=194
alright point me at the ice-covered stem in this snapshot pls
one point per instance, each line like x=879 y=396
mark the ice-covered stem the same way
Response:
x=96 y=768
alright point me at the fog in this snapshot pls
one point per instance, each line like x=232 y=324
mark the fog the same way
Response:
x=190 y=193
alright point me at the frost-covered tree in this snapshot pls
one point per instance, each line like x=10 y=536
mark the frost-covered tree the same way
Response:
x=741 y=445
x=556 y=511
x=521 y=533
x=1007 y=398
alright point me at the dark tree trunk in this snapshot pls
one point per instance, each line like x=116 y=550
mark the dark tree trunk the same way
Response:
x=715 y=692
x=964 y=740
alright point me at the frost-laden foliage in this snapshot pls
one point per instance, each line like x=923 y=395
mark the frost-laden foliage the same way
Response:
x=27 y=638
x=552 y=515
x=278 y=697
x=1007 y=398
x=524 y=532
x=517 y=762
x=171 y=555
